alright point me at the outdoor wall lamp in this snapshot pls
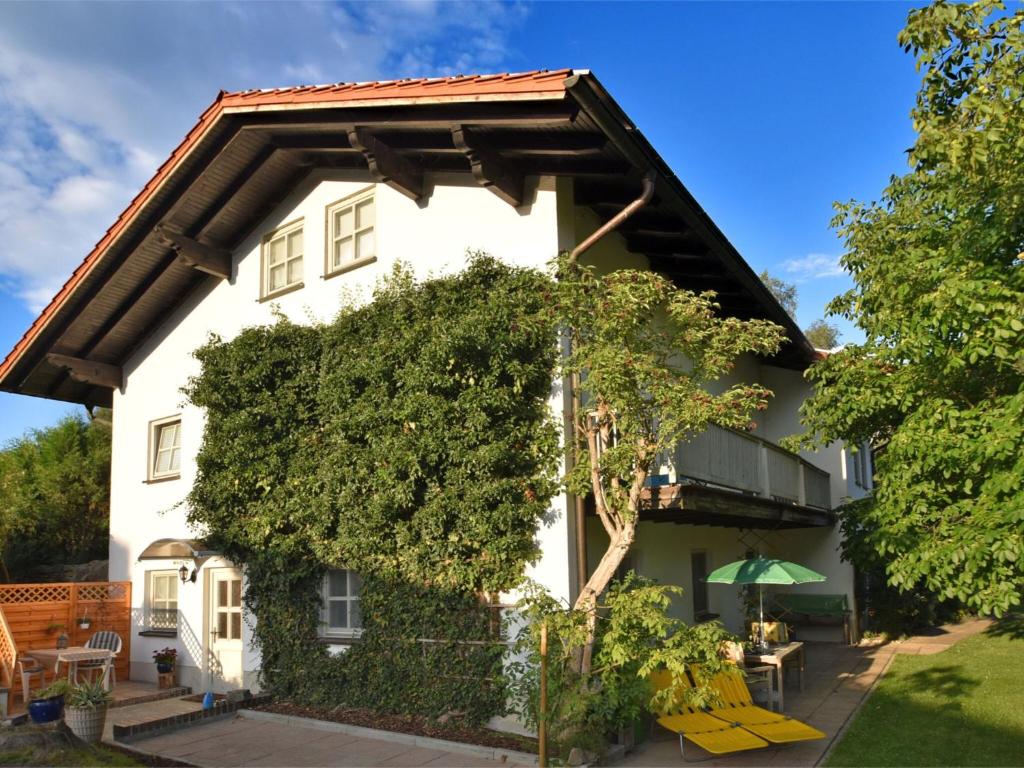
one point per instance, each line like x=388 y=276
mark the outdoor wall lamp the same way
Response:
x=184 y=575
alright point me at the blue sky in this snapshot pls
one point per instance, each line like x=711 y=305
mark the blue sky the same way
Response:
x=768 y=112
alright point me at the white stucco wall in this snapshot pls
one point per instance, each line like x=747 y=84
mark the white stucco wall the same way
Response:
x=432 y=239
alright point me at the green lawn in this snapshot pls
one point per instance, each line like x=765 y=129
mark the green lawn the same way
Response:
x=964 y=706
x=86 y=756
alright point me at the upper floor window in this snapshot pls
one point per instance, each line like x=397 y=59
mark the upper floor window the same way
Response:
x=862 y=466
x=282 y=259
x=351 y=238
x=341 y=615
x=165 y=448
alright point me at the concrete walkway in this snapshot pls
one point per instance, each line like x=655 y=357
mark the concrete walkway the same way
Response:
x=238 y=740
x=838 y=678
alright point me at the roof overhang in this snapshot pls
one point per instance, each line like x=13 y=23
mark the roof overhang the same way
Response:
x=250 y=149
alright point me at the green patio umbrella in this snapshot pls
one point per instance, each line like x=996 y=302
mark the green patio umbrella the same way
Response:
x=761 y=571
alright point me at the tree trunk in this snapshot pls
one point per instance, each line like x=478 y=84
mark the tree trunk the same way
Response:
x=598 y=582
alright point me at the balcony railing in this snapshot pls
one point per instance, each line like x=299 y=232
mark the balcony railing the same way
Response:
x=749 y=464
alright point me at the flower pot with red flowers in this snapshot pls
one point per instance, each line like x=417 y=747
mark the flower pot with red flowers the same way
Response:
x=165 y=659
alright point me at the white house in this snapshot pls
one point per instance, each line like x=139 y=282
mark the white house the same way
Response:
x=286 y=199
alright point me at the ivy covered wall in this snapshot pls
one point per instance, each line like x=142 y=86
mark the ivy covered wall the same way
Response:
x=409 y=440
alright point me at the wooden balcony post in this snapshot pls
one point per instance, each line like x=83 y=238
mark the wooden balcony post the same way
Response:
x=766 y=485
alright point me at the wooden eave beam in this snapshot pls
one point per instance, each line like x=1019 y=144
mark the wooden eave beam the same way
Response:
x=488 y=168
x=387 y=166
x=511 y=143
x=205 y=258
x=89 y=371
x=512 y=115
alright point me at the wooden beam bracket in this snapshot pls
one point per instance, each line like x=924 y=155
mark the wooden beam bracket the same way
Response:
x=89 y=371
x=387 y=166
x=205 y=258
x=488 y=168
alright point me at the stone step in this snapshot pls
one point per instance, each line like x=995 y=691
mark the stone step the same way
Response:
x=164 y=693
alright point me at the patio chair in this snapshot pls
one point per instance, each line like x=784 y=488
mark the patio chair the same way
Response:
x=706 y=731
x=738 y=708
x=27 y=669
x=111 y=641
x=762 y=676
x=774 y=631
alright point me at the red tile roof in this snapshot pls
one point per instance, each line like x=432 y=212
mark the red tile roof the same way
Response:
x=415 y=88
x=499 y=86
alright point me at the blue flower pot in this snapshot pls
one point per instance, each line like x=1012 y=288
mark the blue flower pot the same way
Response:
x=46 y=710
x=164 y=668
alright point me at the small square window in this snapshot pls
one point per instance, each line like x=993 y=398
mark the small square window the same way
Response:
x=165 y=448
x=341 y=615
x=351 y=232
x=282 y=259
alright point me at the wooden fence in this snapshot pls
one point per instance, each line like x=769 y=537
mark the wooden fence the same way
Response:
x=34 y=615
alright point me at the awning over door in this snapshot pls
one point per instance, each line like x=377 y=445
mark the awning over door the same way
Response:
x=179 y=549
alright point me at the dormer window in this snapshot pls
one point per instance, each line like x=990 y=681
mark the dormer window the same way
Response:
x=351 y=233
x=282 y=260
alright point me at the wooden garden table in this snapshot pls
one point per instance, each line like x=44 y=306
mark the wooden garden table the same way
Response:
x=775 y=657
x=54 y=657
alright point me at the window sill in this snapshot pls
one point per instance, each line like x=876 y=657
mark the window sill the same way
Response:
x=340 y=639
x=350 y=267
x=158 y=633
x=154 y=480
x=282 y=292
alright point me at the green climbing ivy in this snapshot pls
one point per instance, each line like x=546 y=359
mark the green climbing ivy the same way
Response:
x=410 y=440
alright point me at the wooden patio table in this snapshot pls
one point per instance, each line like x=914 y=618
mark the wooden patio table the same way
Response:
x=776 y=656
x=54 y=657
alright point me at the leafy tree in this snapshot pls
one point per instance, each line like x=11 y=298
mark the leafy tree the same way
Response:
x=636 y=636
x=55 y=495
x=938 y=266
x=784 y=292
x=644 y=352
x=822 y=335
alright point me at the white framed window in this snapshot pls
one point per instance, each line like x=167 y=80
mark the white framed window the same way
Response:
x=165 y=448
x=162 y=599
x=351 y=232
x=862 y=466
x=341 y=615
x=282 y=259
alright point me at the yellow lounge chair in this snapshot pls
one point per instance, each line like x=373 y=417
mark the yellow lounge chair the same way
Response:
x=739 y=708
x=706 y=731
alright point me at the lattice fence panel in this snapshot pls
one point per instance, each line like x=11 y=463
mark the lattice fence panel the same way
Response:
x=8 y=651
x=102 y=591
x=34 y=593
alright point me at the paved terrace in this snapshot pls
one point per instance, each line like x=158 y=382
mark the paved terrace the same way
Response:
x=837 y=678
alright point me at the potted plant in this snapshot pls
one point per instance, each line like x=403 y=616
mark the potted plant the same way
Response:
x=84 y=622
x=85 y=710
x=46 y=705
x=165 y=659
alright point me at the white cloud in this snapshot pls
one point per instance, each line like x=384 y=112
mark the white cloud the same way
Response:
x=94 y=96
x=813 y=266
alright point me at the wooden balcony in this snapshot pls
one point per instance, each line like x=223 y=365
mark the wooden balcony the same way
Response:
x=725 y=477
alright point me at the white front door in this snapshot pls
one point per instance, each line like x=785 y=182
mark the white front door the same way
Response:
x=225 y=629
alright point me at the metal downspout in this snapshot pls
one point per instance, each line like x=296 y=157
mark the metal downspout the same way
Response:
x=574 y=385
x=617 y=219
